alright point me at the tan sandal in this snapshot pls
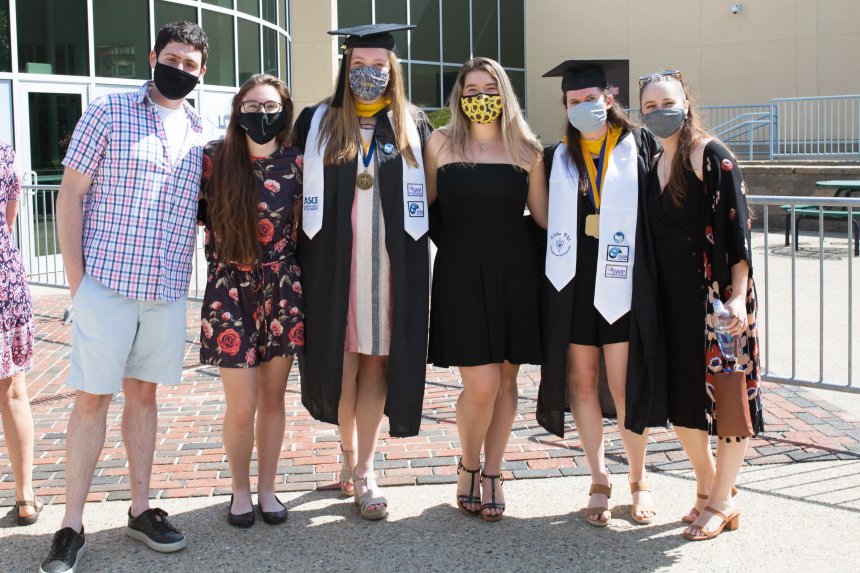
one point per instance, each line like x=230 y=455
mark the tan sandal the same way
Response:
x=603 y=510
x=695 y=512
x=372 y=496
x=346 y=470
x=635 y=508
x=730 y=523
x=30 y=519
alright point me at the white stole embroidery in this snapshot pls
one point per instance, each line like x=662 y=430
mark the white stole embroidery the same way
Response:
x=616 y=246
x=415 y=220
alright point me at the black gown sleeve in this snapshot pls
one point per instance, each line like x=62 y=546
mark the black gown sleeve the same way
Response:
x=302 y=126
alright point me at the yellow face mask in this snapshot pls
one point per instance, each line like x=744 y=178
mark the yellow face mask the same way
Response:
x=482 y=108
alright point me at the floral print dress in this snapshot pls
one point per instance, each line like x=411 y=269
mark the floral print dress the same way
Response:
x=16 y=307
x=253 y=313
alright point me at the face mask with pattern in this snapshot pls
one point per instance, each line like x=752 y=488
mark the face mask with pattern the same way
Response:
x=369 y=83
x=482 y=108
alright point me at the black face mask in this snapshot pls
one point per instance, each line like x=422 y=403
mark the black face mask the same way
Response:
x=173 y=83
x=262 y=127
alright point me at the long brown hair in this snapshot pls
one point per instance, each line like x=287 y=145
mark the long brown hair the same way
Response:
x=340 y=125
x=691 y=133
x=232 y=193
x=520 y=142
x=615 y=116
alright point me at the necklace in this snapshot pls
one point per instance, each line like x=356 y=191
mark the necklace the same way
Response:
x=663 y=171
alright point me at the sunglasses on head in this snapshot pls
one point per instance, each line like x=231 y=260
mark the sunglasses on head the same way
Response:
x=648 y=78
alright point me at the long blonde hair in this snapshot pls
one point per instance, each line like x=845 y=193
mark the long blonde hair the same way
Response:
x=520 y=142
x=340 y=125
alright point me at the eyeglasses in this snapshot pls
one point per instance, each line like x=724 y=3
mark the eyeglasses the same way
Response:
x=265 y=107
x=648 y=78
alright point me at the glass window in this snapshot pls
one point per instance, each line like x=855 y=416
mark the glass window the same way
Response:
x=485 y=28
x=425 y=38
x=270 y=11
x=221 y=66
x=282 y=15
x=449 y=77
x=394 y=12
x=270 y=51
x=222 y=3
x=352 y=13
x=167 y=12
x=455 y=31
x=251 y=7
x=121 y=38
x=52 y=37
x=425 y=85
x=285 y=59
x=512 y=22
x=249 y=49
x=5 y=40
x=518 y=81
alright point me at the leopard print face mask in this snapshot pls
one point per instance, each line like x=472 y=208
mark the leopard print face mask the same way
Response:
x=482 y=108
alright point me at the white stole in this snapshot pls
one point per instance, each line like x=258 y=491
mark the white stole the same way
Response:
x=415 y=220
x=616 y=247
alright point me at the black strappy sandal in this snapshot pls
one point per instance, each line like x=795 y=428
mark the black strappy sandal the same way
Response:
x=492 y=504
x=471 y=498
x=30 y=519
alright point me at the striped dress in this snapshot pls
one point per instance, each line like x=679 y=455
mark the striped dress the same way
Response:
x=368 y=322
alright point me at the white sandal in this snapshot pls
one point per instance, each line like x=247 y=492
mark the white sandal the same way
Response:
x=347 y=487
x=372 y=496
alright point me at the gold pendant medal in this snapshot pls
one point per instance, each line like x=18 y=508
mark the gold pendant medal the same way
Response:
x=592 y=225
x=364 y=181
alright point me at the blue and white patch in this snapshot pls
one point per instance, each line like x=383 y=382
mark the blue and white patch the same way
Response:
x=616 y=271
x=414 y=190
x=617 y=254
x=559 y=244
x=416 y=208
x=618 y=237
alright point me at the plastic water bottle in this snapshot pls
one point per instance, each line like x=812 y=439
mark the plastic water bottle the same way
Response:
x=727 y=342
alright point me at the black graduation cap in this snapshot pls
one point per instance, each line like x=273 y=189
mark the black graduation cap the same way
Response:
x=579 y=74
x=364 y=36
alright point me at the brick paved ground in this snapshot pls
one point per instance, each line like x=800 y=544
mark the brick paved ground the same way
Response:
x=190 y=458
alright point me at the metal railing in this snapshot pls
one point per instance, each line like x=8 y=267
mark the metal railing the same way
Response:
x=36 y=237
x=800 y=128
x=824 y=127
x=805 y=304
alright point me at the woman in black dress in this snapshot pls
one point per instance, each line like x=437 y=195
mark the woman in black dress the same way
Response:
x=252 y=323
x=696 y=243
x=596 y=178
x=485 y=167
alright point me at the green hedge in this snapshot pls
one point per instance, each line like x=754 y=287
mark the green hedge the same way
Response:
x=439 y=117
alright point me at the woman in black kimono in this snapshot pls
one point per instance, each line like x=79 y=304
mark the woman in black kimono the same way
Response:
x=596 y=176
x=365 y=257
x=695 y=240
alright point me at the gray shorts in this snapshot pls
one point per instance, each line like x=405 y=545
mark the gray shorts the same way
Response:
x=114 y=337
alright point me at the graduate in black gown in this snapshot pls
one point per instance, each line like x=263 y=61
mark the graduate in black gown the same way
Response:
x=695 y=241
x=596 y=178
x=364 y=253
x=485 y=166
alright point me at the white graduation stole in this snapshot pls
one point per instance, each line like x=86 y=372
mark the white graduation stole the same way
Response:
x=616 y=246
x=415 y=220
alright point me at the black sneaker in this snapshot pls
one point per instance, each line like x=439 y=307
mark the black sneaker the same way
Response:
x=66 y=551
x=152 y=528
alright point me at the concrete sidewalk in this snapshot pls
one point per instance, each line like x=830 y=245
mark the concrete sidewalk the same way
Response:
x=795 y=517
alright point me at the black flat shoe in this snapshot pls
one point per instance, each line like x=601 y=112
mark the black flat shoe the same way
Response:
x=274 y=517
x=244 y=520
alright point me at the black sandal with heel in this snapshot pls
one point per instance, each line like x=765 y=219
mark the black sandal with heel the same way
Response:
x=470 y=498
x=492 y=504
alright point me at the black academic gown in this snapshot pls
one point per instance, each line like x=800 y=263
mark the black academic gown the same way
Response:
x=325 y=261
x=557 y=307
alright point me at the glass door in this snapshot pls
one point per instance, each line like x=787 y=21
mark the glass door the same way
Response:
x=47 y=116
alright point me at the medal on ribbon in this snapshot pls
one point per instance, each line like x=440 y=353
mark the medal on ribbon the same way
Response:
x=364 y=180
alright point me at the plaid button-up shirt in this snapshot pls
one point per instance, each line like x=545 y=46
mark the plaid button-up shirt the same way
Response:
x=141 y=210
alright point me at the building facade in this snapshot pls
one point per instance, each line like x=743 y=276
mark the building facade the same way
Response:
x=56 y=56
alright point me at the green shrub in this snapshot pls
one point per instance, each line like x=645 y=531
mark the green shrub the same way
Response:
x=439 y=117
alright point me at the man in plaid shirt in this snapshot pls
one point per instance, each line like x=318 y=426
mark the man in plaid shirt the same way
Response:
x=126 y=215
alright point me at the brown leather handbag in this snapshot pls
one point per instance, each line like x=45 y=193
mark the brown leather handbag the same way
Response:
x=733 y=409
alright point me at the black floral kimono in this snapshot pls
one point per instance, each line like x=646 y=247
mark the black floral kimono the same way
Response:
x=726 y=242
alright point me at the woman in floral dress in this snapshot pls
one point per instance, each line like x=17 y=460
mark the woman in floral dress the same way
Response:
x=252 y=323
x=16 y=346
